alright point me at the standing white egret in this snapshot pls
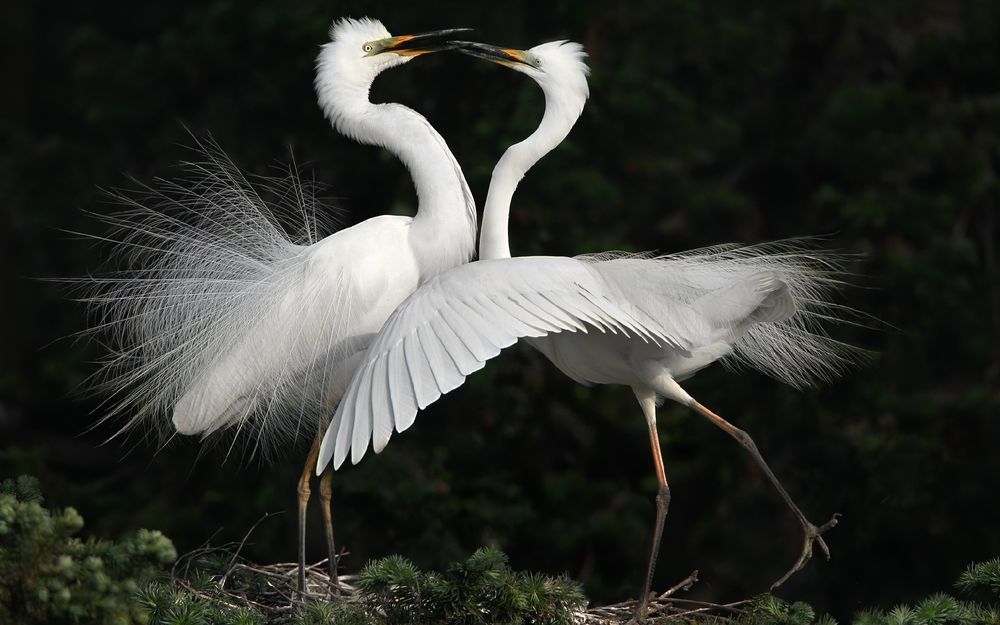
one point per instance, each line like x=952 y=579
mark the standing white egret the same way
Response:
x=230 y=322
x=756 y=305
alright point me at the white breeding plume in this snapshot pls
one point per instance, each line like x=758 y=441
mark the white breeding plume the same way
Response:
x=225 y=320
x=658 y=320
x=204 y=262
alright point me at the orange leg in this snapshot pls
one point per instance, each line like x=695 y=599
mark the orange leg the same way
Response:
x=647 y=400
x=304 y=493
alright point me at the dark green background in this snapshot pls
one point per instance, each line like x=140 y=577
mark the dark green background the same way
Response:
x=875 y=122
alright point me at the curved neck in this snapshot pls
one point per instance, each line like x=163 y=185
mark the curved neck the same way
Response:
x=446 y=211
x=556 y=123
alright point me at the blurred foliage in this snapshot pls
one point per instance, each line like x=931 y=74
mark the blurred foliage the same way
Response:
x=482 y=589
x=708 y=122
x=981 y=577
x=937 y=609
x=47 y=576
x=942 y=609
x=323 y=613
x=769 y=610
x=164 y=604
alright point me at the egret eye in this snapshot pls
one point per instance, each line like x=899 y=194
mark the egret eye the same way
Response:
x=368 y=47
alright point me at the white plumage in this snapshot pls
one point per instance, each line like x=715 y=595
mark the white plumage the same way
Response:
x=459 y=320
x=223 y=318
x=645 y=322
x=605 y=319
x=755 y=305
x=205 y=263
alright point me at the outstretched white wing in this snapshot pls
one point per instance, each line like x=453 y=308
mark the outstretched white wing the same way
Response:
x=460 y=319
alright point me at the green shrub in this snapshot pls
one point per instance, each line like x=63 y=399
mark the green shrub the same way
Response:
x=769 y=610
x=322 y=613
x=49 y=576
x=937 y=609
x=481 y=590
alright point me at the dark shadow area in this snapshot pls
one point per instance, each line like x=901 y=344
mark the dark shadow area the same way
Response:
x=877 y=124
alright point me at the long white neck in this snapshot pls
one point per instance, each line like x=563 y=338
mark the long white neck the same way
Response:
x=556 y=123
x=443 y=231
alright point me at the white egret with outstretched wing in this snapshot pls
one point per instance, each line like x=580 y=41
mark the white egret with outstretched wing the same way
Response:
x=641 y=321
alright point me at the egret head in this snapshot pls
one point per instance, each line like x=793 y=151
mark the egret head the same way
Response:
x=360 y=49
x=557 y=66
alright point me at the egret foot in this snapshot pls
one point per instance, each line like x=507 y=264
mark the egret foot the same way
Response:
x=654 y=602
x=641 y=610
x=813 y=535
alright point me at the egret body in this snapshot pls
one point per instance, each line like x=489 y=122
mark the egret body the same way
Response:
x=229 y=321
x=643 y=322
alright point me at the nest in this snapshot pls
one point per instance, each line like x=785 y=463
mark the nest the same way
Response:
x=272 y=589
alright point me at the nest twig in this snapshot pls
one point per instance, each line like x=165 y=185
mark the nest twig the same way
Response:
x=666 y=608
x=273 y=590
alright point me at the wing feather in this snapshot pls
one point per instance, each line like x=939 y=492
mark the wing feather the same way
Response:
x=344 y=427
x=472 y=312
x=383 y=417
x=532 y=322
x=403 y=397
x=460 y=319
x=446 y=374
x=424 y=386
x=473 y=341
x=363 y=418
x=549 y=318
x=459 y=353
x=500 y=314
x=559 y=301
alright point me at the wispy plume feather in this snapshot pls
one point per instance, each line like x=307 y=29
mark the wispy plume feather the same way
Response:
x=795 y=349
x=203 y=269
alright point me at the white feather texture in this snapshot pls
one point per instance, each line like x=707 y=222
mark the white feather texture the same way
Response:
x=210 y=265
x=766 y=303
x=601 y=319
x=658 y=320
x=222 y=318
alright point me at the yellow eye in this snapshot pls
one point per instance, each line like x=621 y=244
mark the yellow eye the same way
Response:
x=368 y=47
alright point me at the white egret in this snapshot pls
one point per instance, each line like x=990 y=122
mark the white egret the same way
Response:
x=756 y=305
x=230 y=322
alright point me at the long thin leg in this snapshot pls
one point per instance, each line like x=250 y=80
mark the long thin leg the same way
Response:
x=647 y=400
x=812 y=533
x=304 y=492
x=324 y=498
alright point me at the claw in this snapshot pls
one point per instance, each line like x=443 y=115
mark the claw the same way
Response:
x=831 y=523
x=813 y=535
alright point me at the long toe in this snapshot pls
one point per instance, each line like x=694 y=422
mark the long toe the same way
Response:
x=812 y=535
